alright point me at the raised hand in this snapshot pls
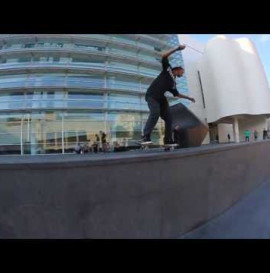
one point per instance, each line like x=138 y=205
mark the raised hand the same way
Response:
x=181 y=47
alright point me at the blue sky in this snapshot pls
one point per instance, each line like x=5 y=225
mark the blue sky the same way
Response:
x=261 y=41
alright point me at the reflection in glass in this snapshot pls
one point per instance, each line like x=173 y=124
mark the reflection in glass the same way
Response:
x=67 y=96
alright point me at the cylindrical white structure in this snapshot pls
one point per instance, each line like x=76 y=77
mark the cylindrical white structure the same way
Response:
x=191 y=56
x=236 y=130
x=233 y=79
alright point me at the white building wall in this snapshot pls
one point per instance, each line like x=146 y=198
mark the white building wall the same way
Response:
x=223 y=131
x=191 y=56
x=267 y=124
x=233 y=79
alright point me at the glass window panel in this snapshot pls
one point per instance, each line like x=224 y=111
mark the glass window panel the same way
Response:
x=31 y=45
x=85 y=96
x=10 y=129
x=11 y=60
x=64 y=59
x=44 y=99
x=122 y=66
x=149 y=57
x=6 y=118
x=121 y=105
x=40 y=45
x=117 y=83
x=122 y=117
x=90 y=47
x=11 y=96
x=12 y=78
x=84 y=116
x=122 y=52
x=14 y=84
x=84 y=59
x=10 y=138
x=24 y=59
x=11 y=101
x=123 y=98
x=89 y=81
x=46 y=79
x=122 y=38
x=82 y=136
x=85 y=104
x=149 y=71
x=10 y=149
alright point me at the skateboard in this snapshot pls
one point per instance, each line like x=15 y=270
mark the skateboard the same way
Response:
x=169 y=147
x=147 y=145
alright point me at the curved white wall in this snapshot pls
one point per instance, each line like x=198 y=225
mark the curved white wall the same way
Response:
x=233 y=79
x=191 y=56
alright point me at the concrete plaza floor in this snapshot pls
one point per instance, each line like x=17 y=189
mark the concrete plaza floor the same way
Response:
x=248 y=219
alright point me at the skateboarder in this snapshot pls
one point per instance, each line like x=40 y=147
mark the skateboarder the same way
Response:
x=157 y=102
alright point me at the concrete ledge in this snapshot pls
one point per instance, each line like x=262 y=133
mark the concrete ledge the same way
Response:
x=72 y=160
x=127 y=195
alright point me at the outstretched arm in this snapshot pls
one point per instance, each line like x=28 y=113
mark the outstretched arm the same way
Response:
x=181 y=96
x=176 y=94
x=171 y=51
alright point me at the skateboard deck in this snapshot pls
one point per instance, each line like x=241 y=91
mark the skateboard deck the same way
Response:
x=147 y=145
x=169 y=147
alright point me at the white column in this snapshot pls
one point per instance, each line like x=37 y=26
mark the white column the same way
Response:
x=141 y=101
x=105 y=104
x=22 y=134
x=105 y=122
x=28 y=128
x=63 y=143
x=236 y=130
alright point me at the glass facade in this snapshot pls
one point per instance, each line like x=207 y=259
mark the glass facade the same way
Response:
x=57 y=90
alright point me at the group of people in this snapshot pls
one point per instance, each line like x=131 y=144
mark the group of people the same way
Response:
x=99 y=145
x=247 y=134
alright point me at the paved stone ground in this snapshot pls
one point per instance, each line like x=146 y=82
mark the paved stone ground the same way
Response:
x=248 y=219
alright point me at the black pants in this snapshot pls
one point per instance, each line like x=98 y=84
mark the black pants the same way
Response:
x=158 y=109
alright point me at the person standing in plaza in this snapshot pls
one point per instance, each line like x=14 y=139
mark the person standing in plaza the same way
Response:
x=247 y=135
x=97 y=144
x=229 y=138
x=264 y=134
x=103 y=141
x=255 y=135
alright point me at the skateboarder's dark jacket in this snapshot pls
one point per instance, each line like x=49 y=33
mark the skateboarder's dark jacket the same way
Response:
x=164 y=82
